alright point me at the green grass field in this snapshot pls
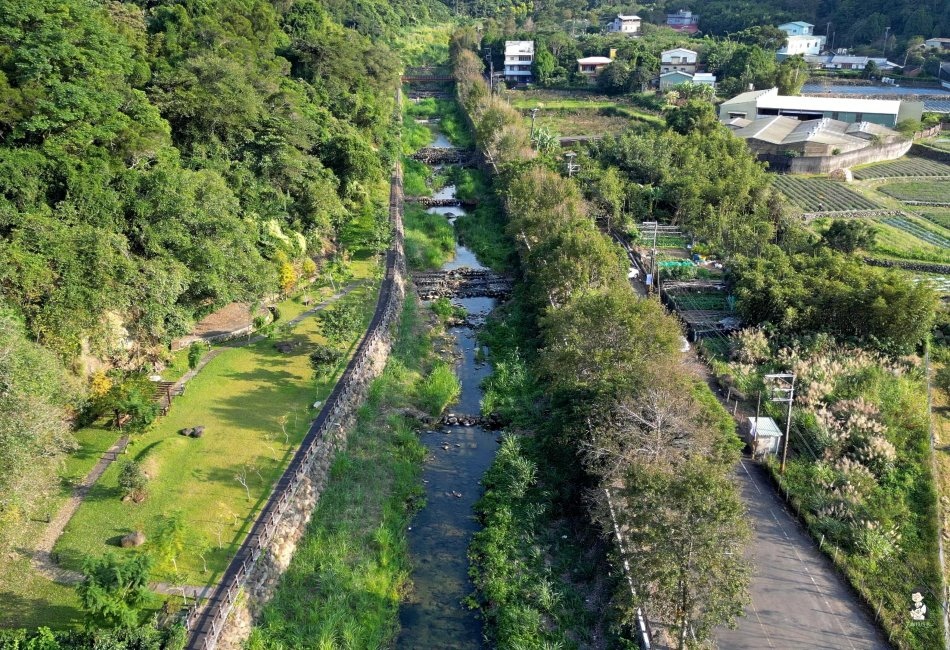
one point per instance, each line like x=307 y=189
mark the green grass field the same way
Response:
x=240 y=397
x=932 y=191
x=902 y=239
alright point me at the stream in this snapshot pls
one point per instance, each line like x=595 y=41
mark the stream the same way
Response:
x=433 y=614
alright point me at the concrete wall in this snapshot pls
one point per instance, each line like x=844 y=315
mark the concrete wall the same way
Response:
x=827 y=164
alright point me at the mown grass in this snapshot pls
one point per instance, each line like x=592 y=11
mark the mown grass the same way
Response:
x=255 y=404
x=348 y=575
x=429 y=240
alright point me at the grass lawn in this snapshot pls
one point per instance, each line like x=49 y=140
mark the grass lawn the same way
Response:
x=240 y=397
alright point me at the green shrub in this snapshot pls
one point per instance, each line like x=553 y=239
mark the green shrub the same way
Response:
x=445 y=310
x=195 y=352
x=440 y=388
x=323 y=358
x=132 y=479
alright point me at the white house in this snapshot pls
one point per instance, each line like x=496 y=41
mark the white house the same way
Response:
x=761 y=103
x=679 y=59
x=705 y=79
x=519 y=57
x=939 y=43
x=801 y=40
x=683 y=21
x=622 y=24
x=847 y=62
x=591 y=66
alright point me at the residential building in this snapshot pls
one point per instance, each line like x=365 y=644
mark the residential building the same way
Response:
x=622 y=24
x=678 y=59
x=760 y=103
x=519 y=58
x=778 y=135
x=676 y=77
x=683 y=21
x=847 y=62
x=940 y=43
x=798 y=28
x=591 y=66
x=801 y=40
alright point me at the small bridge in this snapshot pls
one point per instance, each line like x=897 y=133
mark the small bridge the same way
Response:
x=462 y=283
x=443 y=156
x=429 y=202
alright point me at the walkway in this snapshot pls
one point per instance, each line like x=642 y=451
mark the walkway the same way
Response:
x=43 y=561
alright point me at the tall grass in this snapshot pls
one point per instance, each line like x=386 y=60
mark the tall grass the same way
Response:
x=430 y=241
x=348 y=575
x=439 y=389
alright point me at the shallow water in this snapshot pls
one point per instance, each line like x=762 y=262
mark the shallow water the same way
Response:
x=433 y=614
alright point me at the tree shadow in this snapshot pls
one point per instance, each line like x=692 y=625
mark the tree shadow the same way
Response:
x=19 y=611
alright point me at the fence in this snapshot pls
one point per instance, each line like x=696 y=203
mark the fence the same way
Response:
x=204 y=625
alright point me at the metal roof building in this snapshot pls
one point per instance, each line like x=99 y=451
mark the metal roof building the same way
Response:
x=760 y=103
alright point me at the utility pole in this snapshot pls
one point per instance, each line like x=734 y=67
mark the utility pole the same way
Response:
x=784 y=392
x=828 y=34
x=571 y=167
x=886 y=32
x=534 y=114
x=491 y=70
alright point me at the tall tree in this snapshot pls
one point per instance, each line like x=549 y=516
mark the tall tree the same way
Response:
x=115 y=589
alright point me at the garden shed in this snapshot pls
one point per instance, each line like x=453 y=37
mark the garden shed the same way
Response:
x=764 y=436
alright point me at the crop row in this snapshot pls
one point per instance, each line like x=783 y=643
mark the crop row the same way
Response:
x=908 y=166
x=822 y=195
x=931 y=191
x=918 y=231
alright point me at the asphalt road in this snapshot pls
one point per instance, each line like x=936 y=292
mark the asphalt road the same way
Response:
x=798 y=600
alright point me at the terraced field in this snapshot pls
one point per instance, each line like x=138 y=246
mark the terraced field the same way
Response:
x=935 y=215
x=822 y=195
x=918 y=231
x=907 y=166
x=931 y=191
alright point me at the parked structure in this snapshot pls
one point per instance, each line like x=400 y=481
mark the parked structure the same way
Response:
x=676 y=77
x=629 y=25
x=683 y=21
x=847 y=62
x=678 y=58
x=778 y=135
x=591 y=66
x=519 y=58
x=801 y=40
x=760 y=103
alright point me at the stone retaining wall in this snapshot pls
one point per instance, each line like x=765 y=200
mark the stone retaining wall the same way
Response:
x=923 y=267
x=249 y=581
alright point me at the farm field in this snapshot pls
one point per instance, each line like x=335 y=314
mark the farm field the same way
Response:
x=254 y=402
x=936 y=215
x=822 y=194
x=932 y=191
x=909 y=237
x=907 y=166
x=565 y=123
x=580 y=103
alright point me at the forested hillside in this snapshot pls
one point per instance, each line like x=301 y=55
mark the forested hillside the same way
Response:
x=161 y=159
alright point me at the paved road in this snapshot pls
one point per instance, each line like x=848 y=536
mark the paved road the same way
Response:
x=798 y=600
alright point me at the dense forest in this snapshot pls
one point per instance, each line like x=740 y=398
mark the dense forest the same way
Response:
x=161 y=159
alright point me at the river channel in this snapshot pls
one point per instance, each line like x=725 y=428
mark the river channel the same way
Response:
x=433 y=614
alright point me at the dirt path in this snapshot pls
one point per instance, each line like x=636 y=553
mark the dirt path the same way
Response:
x=43 y=561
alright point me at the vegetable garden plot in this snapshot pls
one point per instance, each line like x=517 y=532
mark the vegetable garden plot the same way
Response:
x=908 y=166
x=822 y=195
x=933 y=191
x=918 y=231
x=939 y=216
